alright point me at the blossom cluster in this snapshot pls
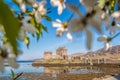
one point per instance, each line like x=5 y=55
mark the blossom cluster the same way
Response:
x=98 y=11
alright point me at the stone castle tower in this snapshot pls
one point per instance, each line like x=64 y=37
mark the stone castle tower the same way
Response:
x=47 y=55
x=62 y=52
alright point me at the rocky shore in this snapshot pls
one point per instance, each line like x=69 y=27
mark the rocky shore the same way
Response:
x=42 y=76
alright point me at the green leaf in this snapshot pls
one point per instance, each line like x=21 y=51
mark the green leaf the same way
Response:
x=101 y=3
x=32 y=21
x=12 y=74
x=43 y=27
x=47 y=18
x=4 y=40
x=33 y=35
x=112 y=5
x=10 y=23
x=38 y=33
x=27 y=41
x=26 y=1
x=15 y=2
x=38 y=36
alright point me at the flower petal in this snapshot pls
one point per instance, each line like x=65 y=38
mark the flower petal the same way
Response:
x=69 y=36
x=107 y=45
x=23 y=7
x=59 y=31
x=89 y=4
x=42 y=3
x=42 y=8
x=56 y=24
x=55 y=2
x=102 y=38
x=57 y=20
x=116 y=14
x=21 y=35
x=118 y=26
x=112 y=29
x=38 y=17
x=89 y=38
x=35 y=4
x=60 y=9
x=95 y=23
x=75 y=9
x=75 y=25
x=30 y=28
x=103 y=16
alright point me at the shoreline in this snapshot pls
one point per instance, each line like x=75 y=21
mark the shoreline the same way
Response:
x=76 y=64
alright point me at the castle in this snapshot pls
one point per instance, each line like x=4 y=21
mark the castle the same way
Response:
x=61 y=53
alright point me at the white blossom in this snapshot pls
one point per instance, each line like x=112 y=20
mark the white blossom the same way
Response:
x=69 y=35
x=61 y=28
x=116 y=14
x=39 y=10
x=103 y=14
x=106 y=40
x=21 y=35
x=60 y=4
x=26 y=27
x=38 y=17
x=76 y=25
x=23 y=7
x=6 y=54
x=81 y=22
x=75 y=9
x=29 y=28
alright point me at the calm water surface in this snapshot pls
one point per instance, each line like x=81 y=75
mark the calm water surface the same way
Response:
x=23 y=67
x=27 y=67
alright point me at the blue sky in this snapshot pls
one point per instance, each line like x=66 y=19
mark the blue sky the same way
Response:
x=49 y=41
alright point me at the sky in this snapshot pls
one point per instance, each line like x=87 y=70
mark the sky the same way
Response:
x=50 y=42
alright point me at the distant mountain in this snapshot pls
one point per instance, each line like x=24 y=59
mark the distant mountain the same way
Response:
x=77 y=54
x=111 y=50
x=112 y=53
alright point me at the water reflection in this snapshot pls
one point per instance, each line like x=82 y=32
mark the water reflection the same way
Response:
x=73 y=70
x=56 y=70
